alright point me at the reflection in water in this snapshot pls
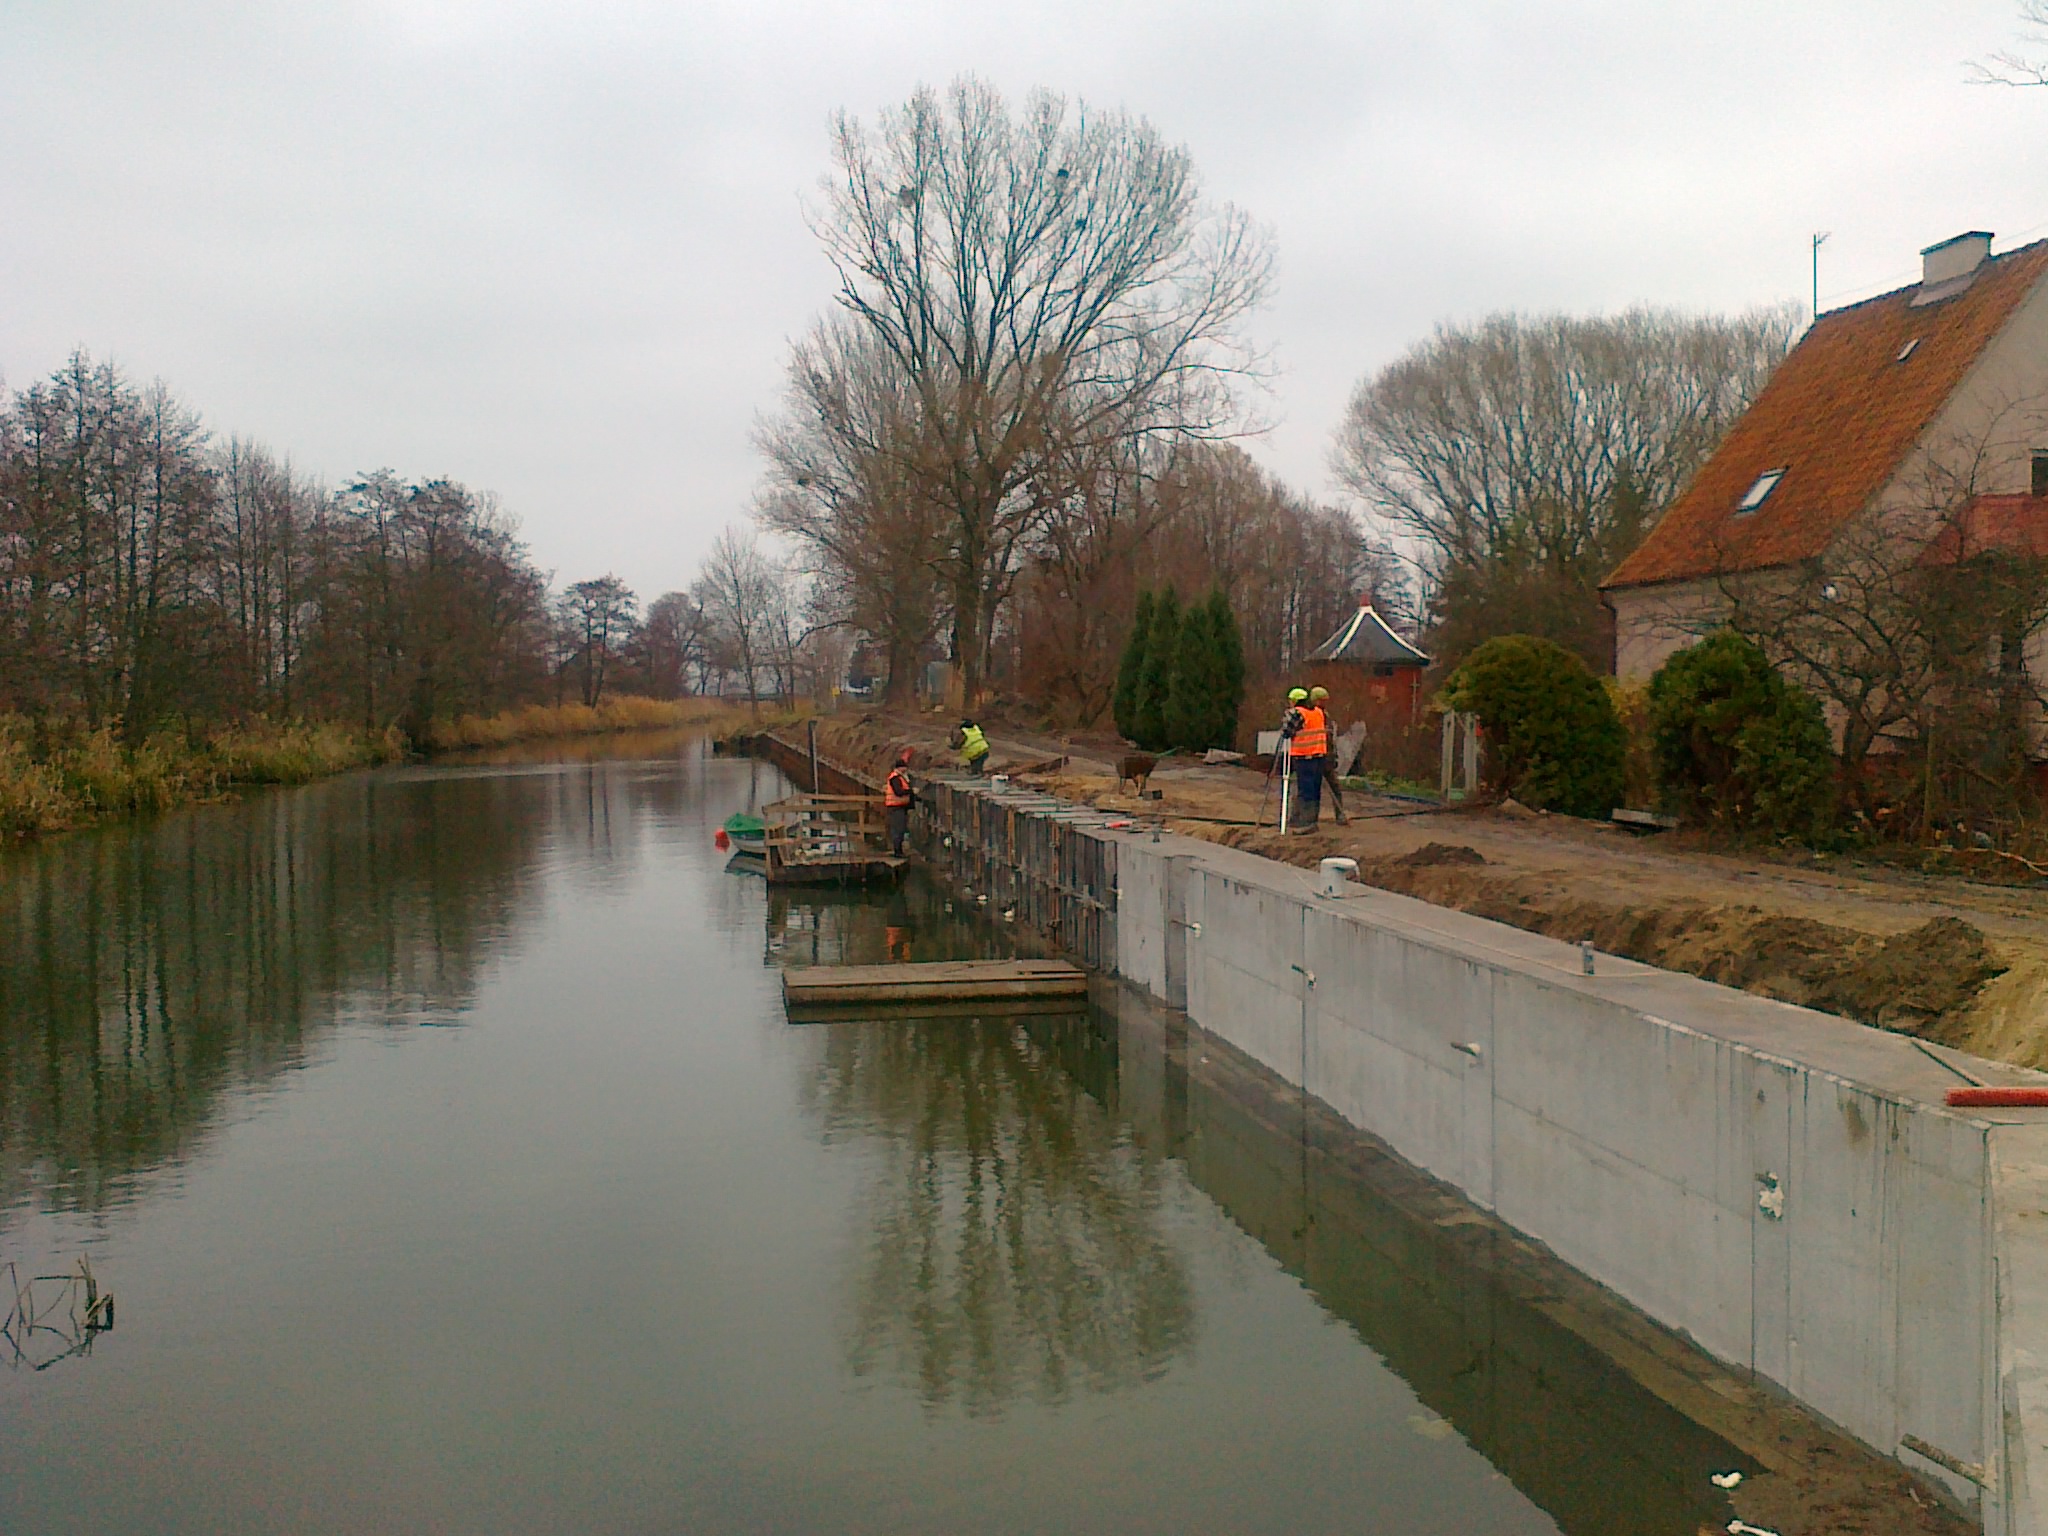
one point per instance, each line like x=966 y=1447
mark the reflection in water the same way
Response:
x=1013 y=1241
x=913 y=921
x=145 y=971
x=1476 y=1327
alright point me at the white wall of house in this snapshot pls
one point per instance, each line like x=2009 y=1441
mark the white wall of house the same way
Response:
x=1983 y=440
x=1652 y=622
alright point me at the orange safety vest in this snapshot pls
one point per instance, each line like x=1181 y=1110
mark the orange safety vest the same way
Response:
x=1313 y=739
x=896 y=794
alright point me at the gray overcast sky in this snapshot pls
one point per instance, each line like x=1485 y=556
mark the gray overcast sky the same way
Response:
x=556 y=250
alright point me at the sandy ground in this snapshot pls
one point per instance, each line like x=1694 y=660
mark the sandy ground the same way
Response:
x=1958 y=961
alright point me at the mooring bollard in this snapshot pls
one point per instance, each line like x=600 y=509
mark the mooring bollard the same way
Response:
x=1334 y=875
x=1586 y=956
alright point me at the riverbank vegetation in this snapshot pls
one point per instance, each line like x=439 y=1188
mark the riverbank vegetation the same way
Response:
x=55 y=778
x=543 y=722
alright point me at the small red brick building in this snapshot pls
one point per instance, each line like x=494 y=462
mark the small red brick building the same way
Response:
x=1372 y=673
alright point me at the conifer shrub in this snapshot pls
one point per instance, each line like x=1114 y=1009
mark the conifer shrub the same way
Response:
x=1155 y=676
x=1739 y=746
x=1195 y=702
x=1125 y=702
x=1229 y=642
x=1553 y=740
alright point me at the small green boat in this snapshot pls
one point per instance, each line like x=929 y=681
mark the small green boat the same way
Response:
x=745 y=833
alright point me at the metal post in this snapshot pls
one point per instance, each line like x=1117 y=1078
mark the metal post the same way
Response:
x=1471 y=755
x=814 y=757
x=1286 y=780
x=1450 y=750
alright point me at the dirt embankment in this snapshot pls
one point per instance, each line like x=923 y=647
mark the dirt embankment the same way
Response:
x=1952 y=961
x=1920 y=981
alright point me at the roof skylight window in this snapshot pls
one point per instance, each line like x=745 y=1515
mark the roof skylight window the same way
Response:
x=1759 y=493
x=1907 y=350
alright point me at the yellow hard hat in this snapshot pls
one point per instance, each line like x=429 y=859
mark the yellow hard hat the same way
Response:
x=1319 y=693
x=1296 y=695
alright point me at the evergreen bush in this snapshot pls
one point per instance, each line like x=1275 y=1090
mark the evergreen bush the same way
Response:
x=1194 y=705
x=1155 y=673
x=1229 y=642
x=1125 y=703
x=1553 y=740
x=1738 y=745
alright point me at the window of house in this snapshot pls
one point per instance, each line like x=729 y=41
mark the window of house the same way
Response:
x=2041 y=471
x=1760 y=492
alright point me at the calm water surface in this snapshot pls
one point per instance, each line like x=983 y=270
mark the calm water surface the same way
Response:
x=441 y=1137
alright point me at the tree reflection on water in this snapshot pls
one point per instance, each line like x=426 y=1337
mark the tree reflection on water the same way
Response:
x=146 y=971
x=1014 y=1241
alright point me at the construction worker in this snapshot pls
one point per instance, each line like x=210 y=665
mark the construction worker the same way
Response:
x=1307 y=748
x=897 y=798
x=973 y=746
x=1319 y=698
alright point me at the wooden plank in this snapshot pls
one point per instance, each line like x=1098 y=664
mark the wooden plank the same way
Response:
x=1647 y=821
x=938 y=981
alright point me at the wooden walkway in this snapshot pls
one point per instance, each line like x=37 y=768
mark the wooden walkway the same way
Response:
x=938 y=981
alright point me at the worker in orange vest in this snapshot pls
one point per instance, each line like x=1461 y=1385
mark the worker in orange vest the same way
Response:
x=1308 y=742
x=1316 y=696
x=897 y=798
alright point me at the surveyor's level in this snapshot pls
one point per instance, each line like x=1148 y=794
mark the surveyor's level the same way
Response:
x=936 y=981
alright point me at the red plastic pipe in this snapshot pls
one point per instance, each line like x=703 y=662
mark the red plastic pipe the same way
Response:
x=1998 y=1098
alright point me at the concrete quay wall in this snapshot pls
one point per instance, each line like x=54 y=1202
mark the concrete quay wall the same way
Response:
x=1782 y=1186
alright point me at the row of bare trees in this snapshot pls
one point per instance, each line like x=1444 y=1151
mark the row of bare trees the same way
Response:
x=152 y=574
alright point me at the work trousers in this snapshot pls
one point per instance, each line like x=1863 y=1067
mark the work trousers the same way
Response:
x=898 y=818
x=1330 y=781
x=1308 y=792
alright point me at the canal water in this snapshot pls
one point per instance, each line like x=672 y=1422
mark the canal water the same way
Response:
x=442 y=1141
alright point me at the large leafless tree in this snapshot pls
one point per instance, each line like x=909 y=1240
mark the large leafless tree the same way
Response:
x=1033 y=278
x=1522 y=455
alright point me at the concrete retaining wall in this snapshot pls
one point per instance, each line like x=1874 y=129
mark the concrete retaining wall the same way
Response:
x=1783 y=1186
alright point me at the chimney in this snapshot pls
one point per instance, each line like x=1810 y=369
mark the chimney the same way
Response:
x=1956 y=257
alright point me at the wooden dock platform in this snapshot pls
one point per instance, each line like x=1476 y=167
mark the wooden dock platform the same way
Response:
x=828 y=840
x=934 y=982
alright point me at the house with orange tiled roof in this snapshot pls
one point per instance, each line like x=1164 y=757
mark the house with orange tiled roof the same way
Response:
x=1924 y=409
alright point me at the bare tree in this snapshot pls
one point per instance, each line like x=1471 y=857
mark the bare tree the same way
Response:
x=840 y=484
x=1033 y=279
x=599 y=615
x=2009 y=66
x=738 y=591
x=1525 y=456
x=672 y=642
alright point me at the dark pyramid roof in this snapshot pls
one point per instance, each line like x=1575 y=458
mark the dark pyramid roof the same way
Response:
x=1366 y=637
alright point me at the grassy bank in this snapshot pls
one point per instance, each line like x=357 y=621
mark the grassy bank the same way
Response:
x=59 y=779
x=539 y=722
x=78 y=777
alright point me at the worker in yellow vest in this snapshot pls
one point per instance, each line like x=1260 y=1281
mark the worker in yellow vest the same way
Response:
x=973 y=745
